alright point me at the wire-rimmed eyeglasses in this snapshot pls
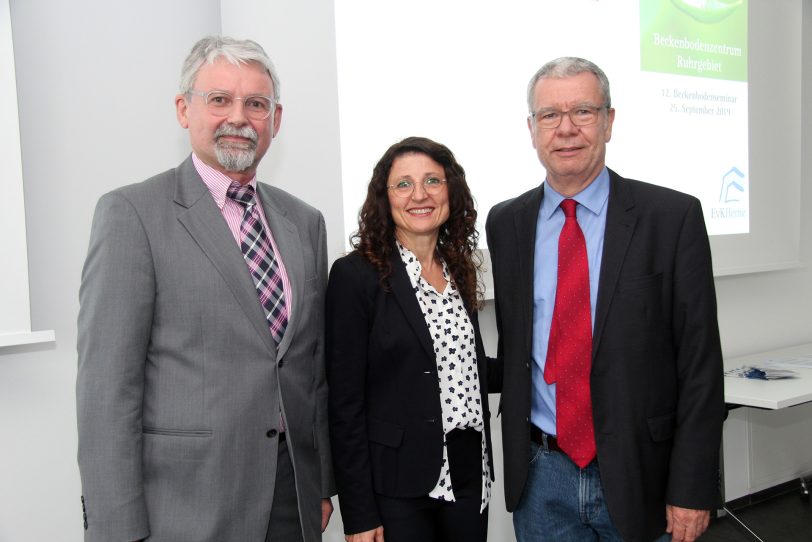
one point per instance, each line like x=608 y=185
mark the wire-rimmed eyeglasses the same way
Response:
x=405 y=187
x=221 y=103
x=580 y=115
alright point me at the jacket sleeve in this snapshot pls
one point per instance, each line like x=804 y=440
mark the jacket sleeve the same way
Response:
x=349 y=319
x=693 y=477
x=496 y=366
x=493 y=366
x=322 y=429
x=115 y=318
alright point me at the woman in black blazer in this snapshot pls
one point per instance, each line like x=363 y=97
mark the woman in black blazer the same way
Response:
x=407 y=374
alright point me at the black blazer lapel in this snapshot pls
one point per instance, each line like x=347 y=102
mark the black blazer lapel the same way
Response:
x=525 y=223
x=621 y=218
x=405 y=296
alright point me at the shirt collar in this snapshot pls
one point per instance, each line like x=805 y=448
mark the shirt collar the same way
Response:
x=216 y=181
x=413 y=268
x=592 y=198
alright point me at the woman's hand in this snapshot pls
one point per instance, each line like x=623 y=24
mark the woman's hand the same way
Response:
x=326 y=512
x=375 y=535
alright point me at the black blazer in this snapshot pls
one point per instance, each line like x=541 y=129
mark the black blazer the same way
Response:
x=384 y=400
x=656 y=381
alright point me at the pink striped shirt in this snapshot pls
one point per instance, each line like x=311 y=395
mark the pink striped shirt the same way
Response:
x=218 y=184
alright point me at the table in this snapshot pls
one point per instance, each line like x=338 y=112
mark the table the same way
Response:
x=766 y=394
x=769 y=394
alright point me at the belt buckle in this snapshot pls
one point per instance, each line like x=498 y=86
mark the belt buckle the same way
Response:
x=544 y=437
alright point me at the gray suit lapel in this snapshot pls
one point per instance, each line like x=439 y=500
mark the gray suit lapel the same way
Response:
x=202 y=219
x=289 y=243
x=621 y=218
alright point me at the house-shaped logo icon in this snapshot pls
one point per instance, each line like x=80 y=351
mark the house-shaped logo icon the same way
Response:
x=731 y=186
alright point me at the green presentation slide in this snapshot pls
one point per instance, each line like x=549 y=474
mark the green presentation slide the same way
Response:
x=703 y=38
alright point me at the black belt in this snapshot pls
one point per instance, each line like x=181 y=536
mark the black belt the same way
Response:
x=544 y=440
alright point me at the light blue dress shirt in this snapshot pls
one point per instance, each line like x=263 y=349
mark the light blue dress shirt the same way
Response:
x=591 y=215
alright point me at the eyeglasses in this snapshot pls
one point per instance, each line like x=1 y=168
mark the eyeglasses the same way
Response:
x=221 y=103
x=580 y=115
x=405 y=187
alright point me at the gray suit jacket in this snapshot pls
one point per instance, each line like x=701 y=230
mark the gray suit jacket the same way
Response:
x=180 y=384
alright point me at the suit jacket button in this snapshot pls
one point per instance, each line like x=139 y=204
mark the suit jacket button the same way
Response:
x=271 y=433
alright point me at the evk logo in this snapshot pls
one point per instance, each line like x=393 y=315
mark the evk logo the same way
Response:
x=732 y=186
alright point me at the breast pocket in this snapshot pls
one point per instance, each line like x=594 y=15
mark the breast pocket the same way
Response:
x=644 y=282
x=637 y=312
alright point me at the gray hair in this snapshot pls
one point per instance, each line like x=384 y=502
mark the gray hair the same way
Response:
x=568 y=66
x=237 y=52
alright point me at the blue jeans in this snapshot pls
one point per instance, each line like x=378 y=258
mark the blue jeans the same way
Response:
x=563 y=503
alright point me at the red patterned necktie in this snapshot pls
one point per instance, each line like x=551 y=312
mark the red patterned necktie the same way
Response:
x=569 y=351
x=258 y=254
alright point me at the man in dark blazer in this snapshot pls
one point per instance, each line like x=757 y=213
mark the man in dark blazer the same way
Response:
x=201 y=417
x=655 y=380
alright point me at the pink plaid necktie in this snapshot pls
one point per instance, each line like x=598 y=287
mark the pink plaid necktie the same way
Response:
x=258 y=253
x=569 y=351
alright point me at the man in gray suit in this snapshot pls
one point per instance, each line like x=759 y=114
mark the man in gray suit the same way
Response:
x=201 y=389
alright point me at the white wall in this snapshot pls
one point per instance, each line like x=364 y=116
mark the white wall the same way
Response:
x=304 y=159
x=96 y=81
x=771 y=310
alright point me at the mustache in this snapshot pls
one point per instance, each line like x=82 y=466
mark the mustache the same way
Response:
x=226 y=129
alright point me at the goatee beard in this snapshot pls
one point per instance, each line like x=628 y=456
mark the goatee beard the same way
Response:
x=234 y=156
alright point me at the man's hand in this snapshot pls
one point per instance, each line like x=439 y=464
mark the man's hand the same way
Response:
x=375 y=535
x=685 y=524
x=326 y=512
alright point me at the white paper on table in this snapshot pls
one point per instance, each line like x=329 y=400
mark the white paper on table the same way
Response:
x=803 y=362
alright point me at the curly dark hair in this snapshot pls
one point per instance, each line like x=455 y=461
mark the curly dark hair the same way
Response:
x=457 y=241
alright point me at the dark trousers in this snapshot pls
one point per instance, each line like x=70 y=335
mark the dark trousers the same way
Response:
x=284 y=525
x=432 y=520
